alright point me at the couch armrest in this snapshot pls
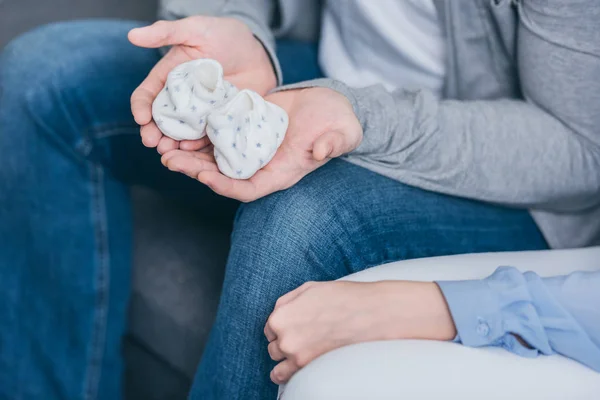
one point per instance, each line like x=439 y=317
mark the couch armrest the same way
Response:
x=409 y=369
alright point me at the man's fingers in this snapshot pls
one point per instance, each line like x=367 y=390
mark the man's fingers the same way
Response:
x=187 y=163
x=141 y=104
x=242 y=190
x=167 y=33
x=143 y=97
x=275 y=352
x=329 y=145
x=202 y=166
x=151 y=135
x=194 y=145
x=167 y=144
x=283 y=372
x=264 y=182
x=181 y=153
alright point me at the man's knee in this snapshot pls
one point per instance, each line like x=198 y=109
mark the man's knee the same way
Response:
x=33 y=72
x=63 y=78
x=296 y=232
x=34 y=57
x=59 y=49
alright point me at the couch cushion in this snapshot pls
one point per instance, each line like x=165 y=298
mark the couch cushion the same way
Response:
x=19 y=16
x=179 y=262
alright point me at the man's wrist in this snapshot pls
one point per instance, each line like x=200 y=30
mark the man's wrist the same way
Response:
x=271 y=71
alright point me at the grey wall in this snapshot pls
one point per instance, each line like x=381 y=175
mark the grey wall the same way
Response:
x=18 y=16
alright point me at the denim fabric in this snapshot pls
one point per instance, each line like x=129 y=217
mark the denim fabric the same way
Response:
x=70 y=150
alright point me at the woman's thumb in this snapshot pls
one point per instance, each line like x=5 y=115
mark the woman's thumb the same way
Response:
x=329 y=145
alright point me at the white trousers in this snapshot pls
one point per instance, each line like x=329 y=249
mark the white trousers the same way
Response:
x=414 y=369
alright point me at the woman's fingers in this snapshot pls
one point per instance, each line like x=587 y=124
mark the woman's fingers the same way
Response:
x=269 y=334
x=286 y=298
x=275 y=352
x=283 y=372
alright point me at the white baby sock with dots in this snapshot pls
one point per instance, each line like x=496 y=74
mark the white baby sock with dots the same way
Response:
x=245 y=130
x=192 y=91
x=246 y=133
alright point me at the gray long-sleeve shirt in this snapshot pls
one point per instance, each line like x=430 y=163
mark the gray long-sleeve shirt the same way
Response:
x=519 y=124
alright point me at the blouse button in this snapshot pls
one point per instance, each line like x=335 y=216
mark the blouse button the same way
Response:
x=483 y=329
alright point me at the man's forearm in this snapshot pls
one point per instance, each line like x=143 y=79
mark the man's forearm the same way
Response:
x=258 y=16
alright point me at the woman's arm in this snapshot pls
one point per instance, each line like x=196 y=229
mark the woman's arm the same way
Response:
x=551 y=315
x=548 y=315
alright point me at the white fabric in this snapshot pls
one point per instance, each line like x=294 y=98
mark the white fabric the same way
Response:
x=246 y=133
x=438 y=370
x=245 y=130
x=398 y=43
x=193 y=90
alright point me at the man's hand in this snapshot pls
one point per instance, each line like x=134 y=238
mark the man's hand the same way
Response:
x=245 y=63
x=322 y=126
x=322 y=316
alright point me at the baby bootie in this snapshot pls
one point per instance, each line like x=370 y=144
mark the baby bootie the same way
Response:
x=246 y=133
x=193 y=90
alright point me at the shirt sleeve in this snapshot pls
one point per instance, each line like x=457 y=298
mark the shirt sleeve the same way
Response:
x=540 y=152
x=557 y=315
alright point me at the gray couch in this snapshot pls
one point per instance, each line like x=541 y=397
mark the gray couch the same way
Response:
x=176 y=282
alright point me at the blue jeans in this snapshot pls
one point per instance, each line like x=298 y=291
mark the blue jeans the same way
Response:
x=69 y=152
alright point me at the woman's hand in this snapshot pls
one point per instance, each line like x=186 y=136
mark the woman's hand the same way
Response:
x=322 y=126
x=245 y=63
x=321 y=316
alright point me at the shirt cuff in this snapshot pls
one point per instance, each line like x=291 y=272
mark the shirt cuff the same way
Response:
x=491 y=311
x=475 y=311
x=380 y=114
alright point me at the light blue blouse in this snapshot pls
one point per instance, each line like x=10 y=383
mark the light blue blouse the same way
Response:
x=557 y=315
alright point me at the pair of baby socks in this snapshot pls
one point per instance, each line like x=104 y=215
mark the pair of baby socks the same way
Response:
x=245 y=129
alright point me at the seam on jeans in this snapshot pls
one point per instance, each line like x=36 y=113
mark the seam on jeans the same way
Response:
x=83 y=147
x=108 y=130
x=342 y=214
x=99 y=325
